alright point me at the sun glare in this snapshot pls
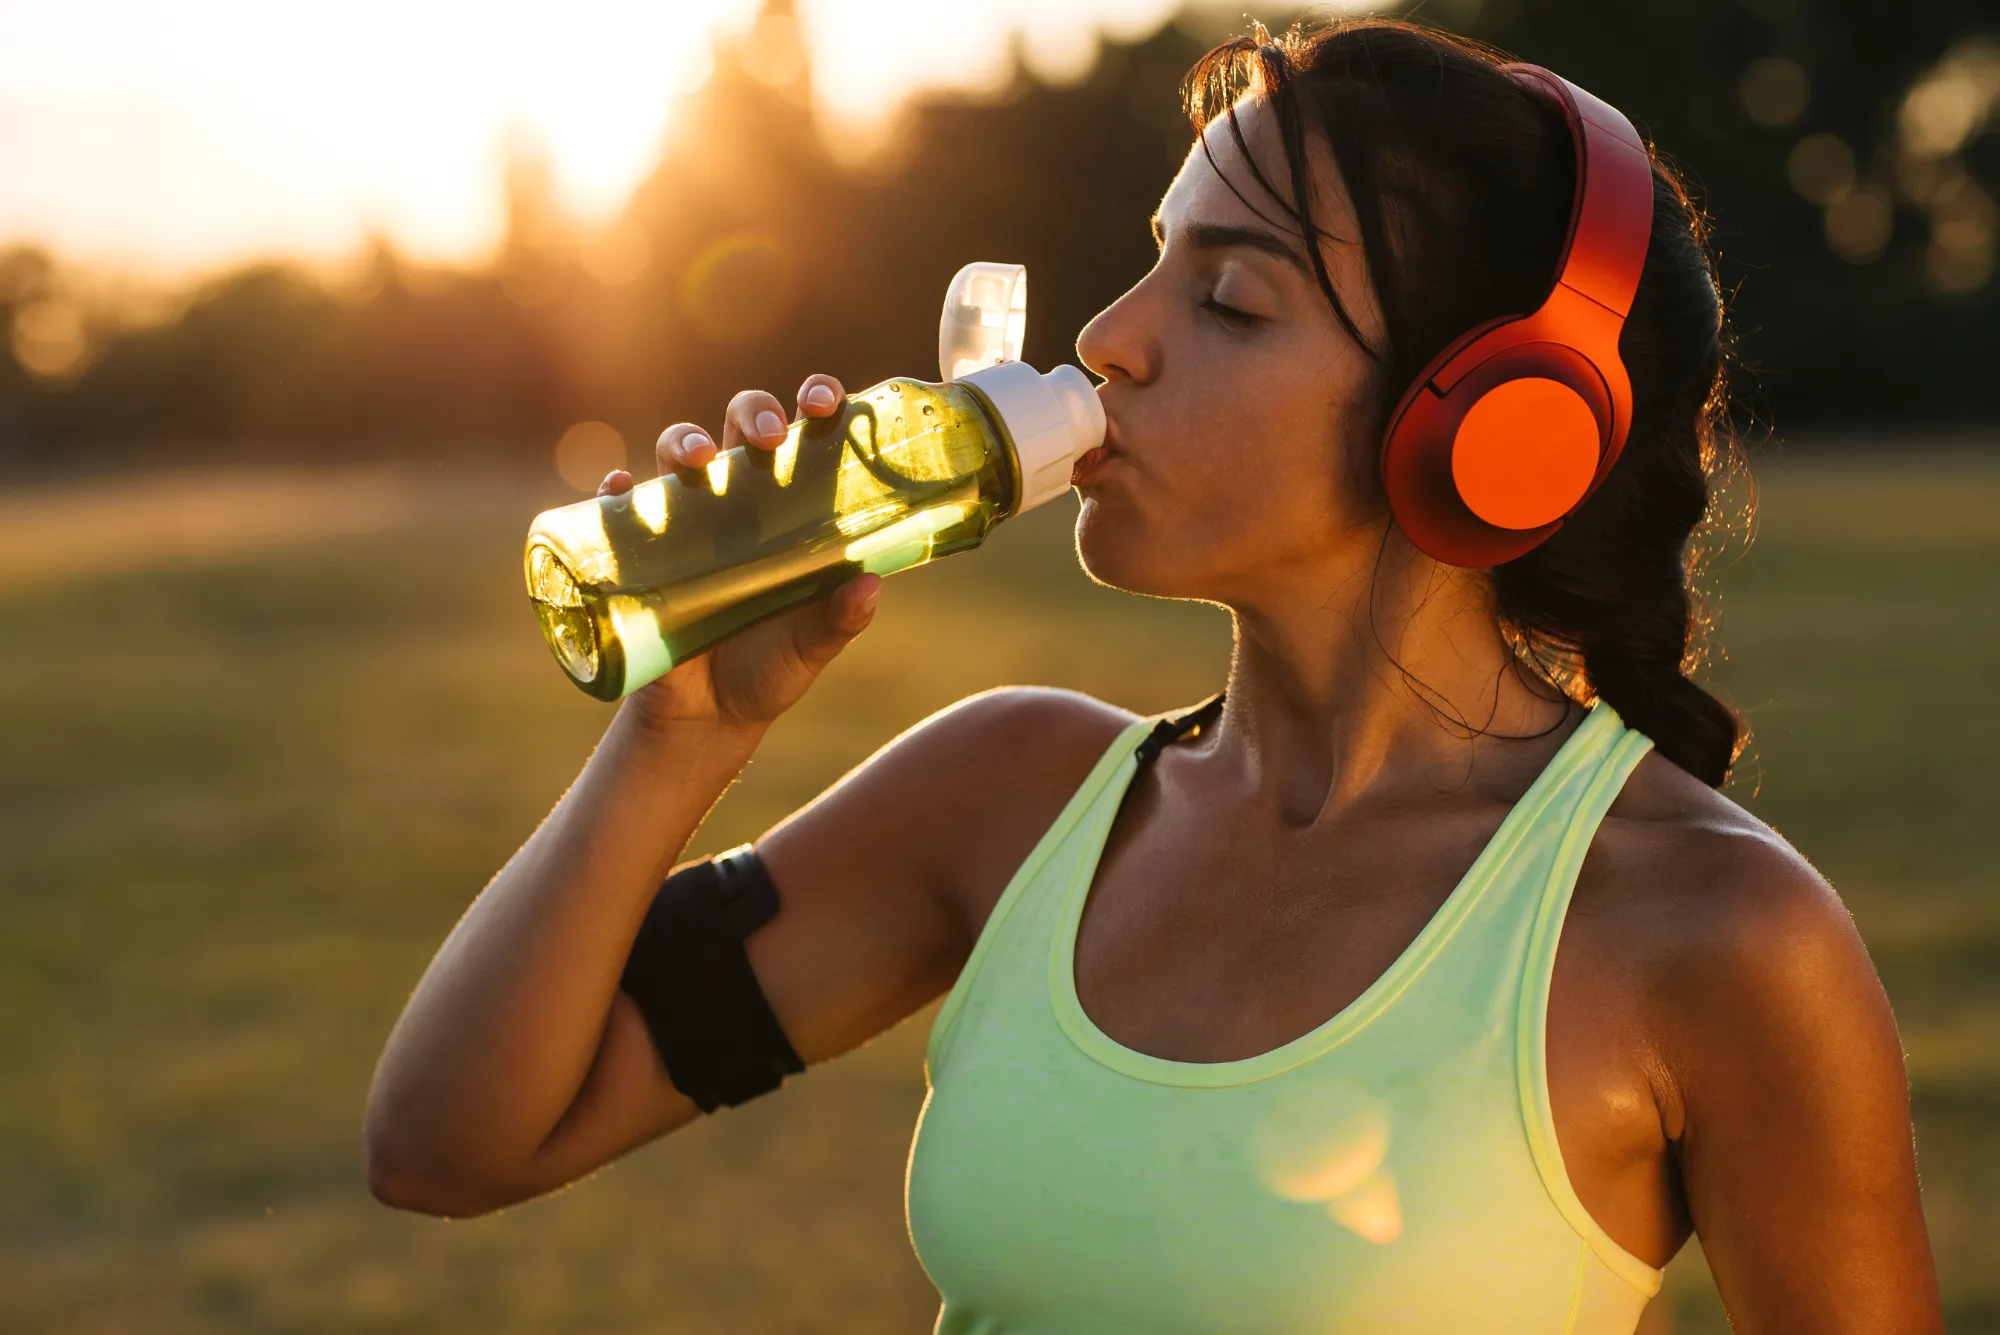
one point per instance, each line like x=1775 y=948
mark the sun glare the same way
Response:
x=180 y=137
x=176 y=137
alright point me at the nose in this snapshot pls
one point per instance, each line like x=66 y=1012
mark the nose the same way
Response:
x=1121 y=342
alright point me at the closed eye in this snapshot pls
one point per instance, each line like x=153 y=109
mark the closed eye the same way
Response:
x=1230 y=315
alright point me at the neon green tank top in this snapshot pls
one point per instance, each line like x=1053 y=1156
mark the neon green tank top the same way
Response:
x=1393 y=1170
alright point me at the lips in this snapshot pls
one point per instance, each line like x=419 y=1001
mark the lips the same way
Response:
x=1087 y=463
x=1091 y=460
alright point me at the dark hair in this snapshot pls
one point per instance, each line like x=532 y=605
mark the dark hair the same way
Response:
x=1461 y=183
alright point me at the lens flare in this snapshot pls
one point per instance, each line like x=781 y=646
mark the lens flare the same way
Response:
x=739 y=287
x=1329 y=1146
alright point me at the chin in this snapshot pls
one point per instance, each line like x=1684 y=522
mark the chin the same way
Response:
x=1117 y=550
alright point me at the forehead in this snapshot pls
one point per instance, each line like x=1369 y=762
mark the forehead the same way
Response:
x=1217 y=183
x=1218 y=204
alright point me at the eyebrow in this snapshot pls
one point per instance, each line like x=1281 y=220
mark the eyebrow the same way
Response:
x=1215 y=236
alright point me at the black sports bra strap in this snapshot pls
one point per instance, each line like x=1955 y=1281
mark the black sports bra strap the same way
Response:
x=1176 y=726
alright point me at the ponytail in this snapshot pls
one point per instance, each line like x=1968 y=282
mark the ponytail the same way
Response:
x=1688 y=725
x=1611 y=594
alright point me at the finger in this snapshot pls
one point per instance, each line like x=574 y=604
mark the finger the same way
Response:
x=683 y=445
x=830 y=624
x=616 y=483
x=820 y=396
x=754 y=418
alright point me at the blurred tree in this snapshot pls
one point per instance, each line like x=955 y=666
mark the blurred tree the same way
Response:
x=1847 y=307
x=1846 y=149
x=778 y=262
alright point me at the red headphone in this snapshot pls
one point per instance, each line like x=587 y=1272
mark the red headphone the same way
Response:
x=1518 y=420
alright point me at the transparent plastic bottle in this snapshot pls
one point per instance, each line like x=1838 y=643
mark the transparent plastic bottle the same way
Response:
x=627 y=586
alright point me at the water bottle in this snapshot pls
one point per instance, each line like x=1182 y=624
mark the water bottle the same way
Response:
x=627 y=586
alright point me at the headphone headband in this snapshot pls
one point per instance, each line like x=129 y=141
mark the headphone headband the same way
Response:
x=1612 y=214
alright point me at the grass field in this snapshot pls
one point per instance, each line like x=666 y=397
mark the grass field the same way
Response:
x=246 y=786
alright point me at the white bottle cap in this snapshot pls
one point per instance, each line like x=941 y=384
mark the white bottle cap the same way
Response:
x=985 y=318
x=1053 y=420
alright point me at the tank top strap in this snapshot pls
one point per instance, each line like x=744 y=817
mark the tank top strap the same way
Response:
x=1482 y=963
x=1615 y=752
x=1527 y=870
x=1182 y=723
x=1042 y=872
x=1565 y=808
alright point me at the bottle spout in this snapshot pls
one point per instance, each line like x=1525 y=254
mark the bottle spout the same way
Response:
x=1052 y=421
x=1082 y=410
x=985 y=318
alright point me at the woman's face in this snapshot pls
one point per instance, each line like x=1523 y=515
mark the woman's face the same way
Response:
x=1239 y=408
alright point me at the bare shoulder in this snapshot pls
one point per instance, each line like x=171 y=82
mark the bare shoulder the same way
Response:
x=998 y=768
x=954 y=804
x=1742 y=949
x=1010 y=754
x=1776 y=1071
x=1713 y=882
x=1032 y=736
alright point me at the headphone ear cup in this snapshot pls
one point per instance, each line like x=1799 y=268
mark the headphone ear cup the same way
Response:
x=1525 y=453
x=1484 y=469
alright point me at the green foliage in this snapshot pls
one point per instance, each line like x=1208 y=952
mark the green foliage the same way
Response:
x=242 y=799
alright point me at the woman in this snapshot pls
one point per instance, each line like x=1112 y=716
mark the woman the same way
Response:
x=1422 y=982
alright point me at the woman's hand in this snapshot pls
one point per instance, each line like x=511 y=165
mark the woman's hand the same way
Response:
x=751 y=677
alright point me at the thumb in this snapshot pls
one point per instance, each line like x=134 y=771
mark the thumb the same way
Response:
x=825 y=630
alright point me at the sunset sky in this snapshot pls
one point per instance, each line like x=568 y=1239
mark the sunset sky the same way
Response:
x=172 y=137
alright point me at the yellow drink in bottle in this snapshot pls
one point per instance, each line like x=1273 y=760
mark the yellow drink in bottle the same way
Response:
x=627 y=586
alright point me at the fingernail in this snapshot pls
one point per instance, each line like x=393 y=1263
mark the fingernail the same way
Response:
x=693 y=441
x=819 y=396
x=770 y=424
x=867 y=606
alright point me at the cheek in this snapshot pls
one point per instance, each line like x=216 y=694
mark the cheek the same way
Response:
x=1257 y=486
x=1242 y=458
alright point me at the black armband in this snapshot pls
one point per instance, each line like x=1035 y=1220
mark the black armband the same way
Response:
x=692 y=981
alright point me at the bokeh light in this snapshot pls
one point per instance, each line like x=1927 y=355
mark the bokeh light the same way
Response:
x=586 y=452
x=1859 y=225
x=1821 y=168
x=1941 y=115
x=1774 y=91
x=49 y=339
x=1961 y=251
x=1949 y=105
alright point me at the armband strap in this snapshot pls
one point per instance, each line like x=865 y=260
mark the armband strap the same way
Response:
x=692 y=982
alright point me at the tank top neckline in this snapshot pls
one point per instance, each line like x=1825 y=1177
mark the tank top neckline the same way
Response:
x=1584 y=746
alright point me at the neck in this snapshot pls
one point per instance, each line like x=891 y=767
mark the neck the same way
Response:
x=1387 y=673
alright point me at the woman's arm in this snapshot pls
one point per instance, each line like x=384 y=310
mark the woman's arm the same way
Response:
x=472 y=1104
x=517 y=1064
x=1794 y=1118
